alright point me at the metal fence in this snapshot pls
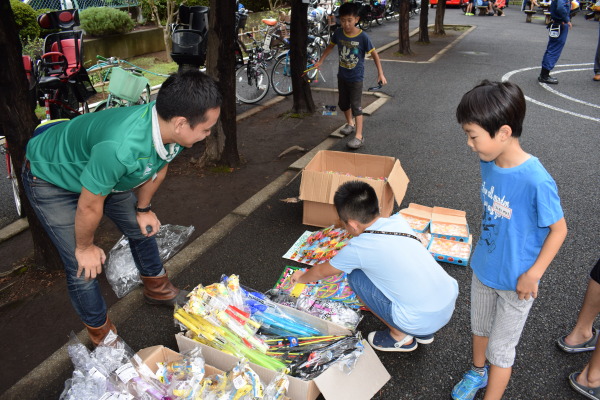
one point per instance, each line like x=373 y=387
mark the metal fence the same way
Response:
x=80 y=4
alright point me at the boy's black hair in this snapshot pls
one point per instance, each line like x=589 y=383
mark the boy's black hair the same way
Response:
x=349 y=9
x=356 y=200
x=189 y=94
x=493 y=104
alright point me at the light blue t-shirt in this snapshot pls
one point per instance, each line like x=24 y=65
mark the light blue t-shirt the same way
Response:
x=519 y=204
x=352 y=50
x=422 y=293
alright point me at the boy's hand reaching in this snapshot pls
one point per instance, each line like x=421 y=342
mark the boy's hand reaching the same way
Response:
x=527 y=286
x=381 y=78
x=296 y=276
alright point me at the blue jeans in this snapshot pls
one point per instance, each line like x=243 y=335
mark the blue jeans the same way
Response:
x=56 y=207
x=554 y=48
x=372 y=297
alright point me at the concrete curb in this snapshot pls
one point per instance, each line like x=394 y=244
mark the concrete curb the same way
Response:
x=32 y=384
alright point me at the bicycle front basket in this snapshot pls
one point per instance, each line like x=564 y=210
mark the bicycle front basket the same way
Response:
x=125 y=85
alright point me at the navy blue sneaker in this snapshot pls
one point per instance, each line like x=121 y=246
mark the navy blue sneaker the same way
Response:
x=424 y=339
x=471 y=382
x=383 y=341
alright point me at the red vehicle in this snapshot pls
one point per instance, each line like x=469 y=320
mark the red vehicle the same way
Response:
x=460 y=3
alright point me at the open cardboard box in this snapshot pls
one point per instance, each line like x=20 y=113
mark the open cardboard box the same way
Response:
x=449 y=216
x=465 y=248
x=329 y=169
x=150 y=356
x=420 y=214
x=368 y=376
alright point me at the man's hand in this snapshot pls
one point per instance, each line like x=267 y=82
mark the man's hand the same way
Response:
x=148 y=219
x=527 y=286
x=89 y=261
x=296 y=276
x=382 y=79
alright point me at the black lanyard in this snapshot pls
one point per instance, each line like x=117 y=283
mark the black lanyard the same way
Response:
x=408 y=235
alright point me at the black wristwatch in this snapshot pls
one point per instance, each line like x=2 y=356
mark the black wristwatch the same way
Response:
x=143 y=210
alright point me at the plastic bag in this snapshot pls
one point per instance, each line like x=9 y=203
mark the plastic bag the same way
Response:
x=121 y=271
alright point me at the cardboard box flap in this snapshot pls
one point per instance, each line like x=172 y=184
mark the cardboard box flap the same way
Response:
x=315 y=186
x=418 y=211
x=366 y=379
x=449 y=215
x=155 y=354
x=398 y=181
x=338 y=180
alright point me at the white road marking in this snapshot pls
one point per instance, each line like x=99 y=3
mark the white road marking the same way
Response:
x=507 y=76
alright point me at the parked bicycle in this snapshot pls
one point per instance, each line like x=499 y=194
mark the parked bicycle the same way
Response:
x=252 y=79
x=281 y=75
x=11 y=174
x=369 y=11
x=275 y=37
x=126 y=86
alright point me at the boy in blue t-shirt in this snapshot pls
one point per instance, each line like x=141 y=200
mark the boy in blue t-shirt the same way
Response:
x=352 y=44
x=523 y=228
x=391 y=272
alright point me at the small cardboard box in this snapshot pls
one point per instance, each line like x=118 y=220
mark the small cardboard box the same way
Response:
x=441 y=215
x=461 y=256
x=417 y=216
x=368 y=376
x=329 y=169
x=155 y=354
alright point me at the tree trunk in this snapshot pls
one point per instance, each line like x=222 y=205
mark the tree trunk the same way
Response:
x=423 y=22
x=221 y=145
x=303 y=101
x=439 y=18
x=17 y=123
x=403 y=31
x=172 y=11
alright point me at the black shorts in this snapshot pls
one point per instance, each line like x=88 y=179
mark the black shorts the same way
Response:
x=350 y=96
x=595 y=274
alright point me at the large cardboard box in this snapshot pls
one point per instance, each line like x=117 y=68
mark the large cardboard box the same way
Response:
x=329 y=169
x=366 y=379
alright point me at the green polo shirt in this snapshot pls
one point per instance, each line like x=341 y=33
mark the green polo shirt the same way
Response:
x=108 y=151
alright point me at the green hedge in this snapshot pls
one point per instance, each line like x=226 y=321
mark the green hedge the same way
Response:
x=103 y=21
x=26 y=20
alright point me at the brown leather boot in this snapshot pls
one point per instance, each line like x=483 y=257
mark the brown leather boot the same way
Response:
x=159 y=290
x=97 y=335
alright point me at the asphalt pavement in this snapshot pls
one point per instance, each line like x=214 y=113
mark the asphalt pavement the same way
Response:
x=418 y=126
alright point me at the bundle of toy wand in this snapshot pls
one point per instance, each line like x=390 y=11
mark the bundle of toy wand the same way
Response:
x=307 y=77
x=222 y=338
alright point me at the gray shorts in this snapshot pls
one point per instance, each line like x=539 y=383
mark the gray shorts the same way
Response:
x=350 y=96
x=500 y=316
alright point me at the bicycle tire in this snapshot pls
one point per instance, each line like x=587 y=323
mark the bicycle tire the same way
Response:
x=108 y=103
x=281 y=76
x=254 y=89
x=313 y=54
x=364 y=24
x=67 y=97
x=379 y=20
x=15 y=188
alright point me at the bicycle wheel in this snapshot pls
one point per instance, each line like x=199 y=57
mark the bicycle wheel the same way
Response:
x=15 y=188
x=313 y=54
x=364 y=24
x=281 y=76
x=252 y=83
x=109 y=103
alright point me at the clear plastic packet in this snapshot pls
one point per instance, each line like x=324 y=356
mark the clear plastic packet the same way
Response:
x=120 y=268
x=312 y=364
x=243 y=383
x=277 y=388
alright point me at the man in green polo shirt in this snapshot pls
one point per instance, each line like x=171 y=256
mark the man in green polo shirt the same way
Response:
x=79 y=170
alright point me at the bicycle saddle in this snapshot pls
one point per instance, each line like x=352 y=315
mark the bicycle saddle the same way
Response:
x=269 y=21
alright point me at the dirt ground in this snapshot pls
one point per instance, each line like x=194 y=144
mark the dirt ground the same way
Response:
x=35 y=310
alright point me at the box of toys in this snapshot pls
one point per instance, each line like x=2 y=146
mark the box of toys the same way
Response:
x=329 y=169
x=417 y=216
x=449 y=224
x=450 y=251
x=153 y=355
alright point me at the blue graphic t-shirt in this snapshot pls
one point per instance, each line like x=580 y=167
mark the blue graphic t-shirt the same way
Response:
x=519 y=204
x=352 y=52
